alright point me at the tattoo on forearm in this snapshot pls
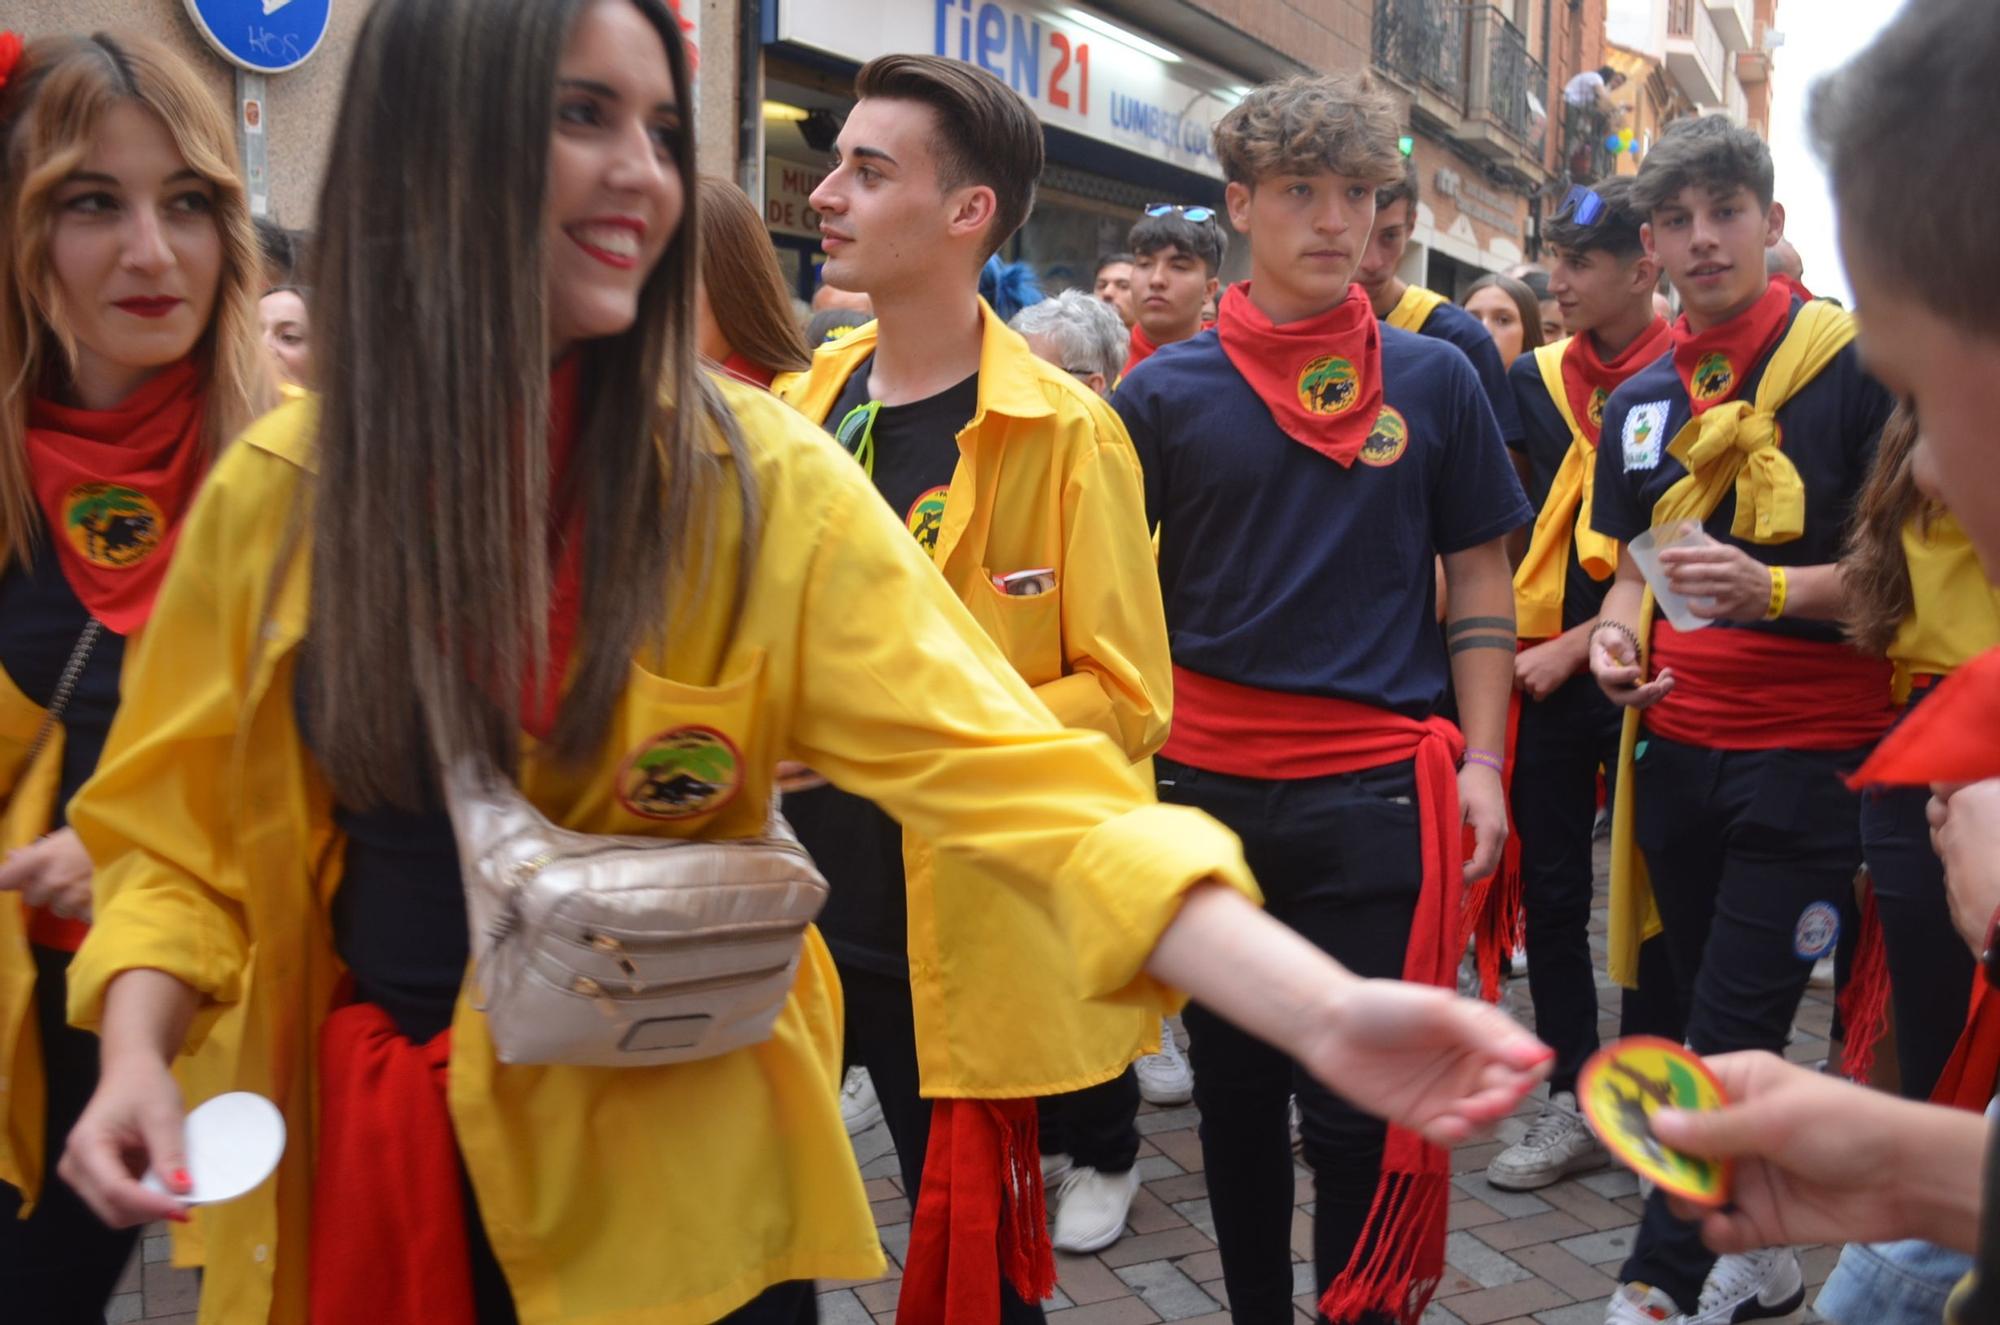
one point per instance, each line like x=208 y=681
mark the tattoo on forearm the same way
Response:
x=1459 y=627
x=1504 y=643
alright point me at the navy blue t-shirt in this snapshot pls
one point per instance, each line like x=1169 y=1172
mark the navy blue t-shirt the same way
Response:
x=1545 y=440
x=1454 y=326
x=1828 y=431
x=1283 y=570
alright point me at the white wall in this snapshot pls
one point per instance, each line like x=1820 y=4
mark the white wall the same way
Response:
x=1637 y=25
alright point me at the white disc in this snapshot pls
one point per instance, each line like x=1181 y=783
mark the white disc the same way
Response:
x=233 y=1143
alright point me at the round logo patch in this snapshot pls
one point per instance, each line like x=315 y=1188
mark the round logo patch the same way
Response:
x=1387 y=440
x=680 y=774
x=1598 y=400
x=112 y=525
x=1713 y=376
x=926 y=517
x=1620 y=1089
x=1817 y=933
x=1329 y=385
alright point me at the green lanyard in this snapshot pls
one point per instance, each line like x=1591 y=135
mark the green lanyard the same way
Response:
x=857 y=433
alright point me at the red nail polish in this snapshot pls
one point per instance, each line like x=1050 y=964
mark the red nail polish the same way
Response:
x=180 y=1216
x=179 y=1180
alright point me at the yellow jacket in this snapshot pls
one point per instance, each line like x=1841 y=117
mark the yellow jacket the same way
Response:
x=613 y=1196
x=1957 y=613
x=1046 y=477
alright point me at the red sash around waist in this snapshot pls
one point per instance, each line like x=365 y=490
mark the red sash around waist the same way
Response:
x=1246 y=732
x=389 y=1244
x=1754 y=690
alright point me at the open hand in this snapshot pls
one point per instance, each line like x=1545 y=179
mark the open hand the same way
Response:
x=1720 y=581
x=53 y=873
x=1425 y=1059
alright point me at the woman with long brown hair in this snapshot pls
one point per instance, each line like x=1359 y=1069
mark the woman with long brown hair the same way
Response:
x=451 y=561
x=129 y=354
x=743 y=314
x=1509 y=311
x=1916 y=594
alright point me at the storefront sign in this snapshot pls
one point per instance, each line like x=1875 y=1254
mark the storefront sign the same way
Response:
x=1074 y=73
x=788 y=188
x=263 y=36
x=1481 y=204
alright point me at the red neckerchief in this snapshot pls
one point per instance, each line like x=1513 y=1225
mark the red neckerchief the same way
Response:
x=540 y=695
x=113 y=485
x=1142 y=350
x=1795 y=285
x=1321 y=377
x=1712 y=365
x=1588 y=381
x=743 y=370
x=1953 y=736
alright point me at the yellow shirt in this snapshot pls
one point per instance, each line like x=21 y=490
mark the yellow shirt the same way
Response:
x=615 y=1196
x=1414 y=308
x=1046 y=478
x=1957 y=614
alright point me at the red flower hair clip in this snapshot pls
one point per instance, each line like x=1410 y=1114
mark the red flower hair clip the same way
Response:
x=687 y=30
x=10 y=54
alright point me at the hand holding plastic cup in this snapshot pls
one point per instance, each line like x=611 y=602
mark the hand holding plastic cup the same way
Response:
x=1646 y=550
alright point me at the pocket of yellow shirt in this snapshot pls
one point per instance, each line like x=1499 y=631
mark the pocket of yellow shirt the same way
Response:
x=692 y=758
x=1028 y=628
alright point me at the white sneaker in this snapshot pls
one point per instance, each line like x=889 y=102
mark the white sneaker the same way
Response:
x=1558 y=1143
x=1755 y=1285
x=1518 y=964
x=859 y=1107
x=1054 y=1169
x=1642 y=1304
x=1165 y=1077
x=1091 y=1209
x=1822 y=976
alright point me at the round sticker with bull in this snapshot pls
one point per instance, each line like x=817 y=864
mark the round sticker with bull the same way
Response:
x=1624 y=1084
x=1817 y=933
x=926 y=517
x=680 y=774
x=1713 y=376
x=1329 y=385
x=111 y=525
x=1387 y=440
x=1595 y=409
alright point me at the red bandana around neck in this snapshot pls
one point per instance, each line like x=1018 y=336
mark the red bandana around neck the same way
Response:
x=744 y=370
x=1321 y=377
x=1142 y=350
x=113 y=485
x=1588 y=381
x=1713 y=364
x=540 y=696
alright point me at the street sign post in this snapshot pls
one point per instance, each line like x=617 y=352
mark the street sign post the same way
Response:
x=262 y=36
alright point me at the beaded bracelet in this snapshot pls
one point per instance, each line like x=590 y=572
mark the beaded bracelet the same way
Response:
x=1485 y=759
x=1778 y=587
x=1606 y=623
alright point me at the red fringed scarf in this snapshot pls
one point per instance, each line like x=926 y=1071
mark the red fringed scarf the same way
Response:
x=1713 y=363
x=113 y=485
x=1247 y=732
x=1321 y=377
x=979 y=1215
x=1494 y=921
x=1588 y=381
x=1864 y=1003
x=1953 y=737
x=388 y=1243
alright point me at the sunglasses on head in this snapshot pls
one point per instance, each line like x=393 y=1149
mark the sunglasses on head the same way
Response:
x=1581 y=206
x=1195 y=214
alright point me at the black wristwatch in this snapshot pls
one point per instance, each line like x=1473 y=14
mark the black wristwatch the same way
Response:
x=1989 y=960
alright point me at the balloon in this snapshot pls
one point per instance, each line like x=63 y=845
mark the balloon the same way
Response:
x=1625 y=139
x=1612 y=143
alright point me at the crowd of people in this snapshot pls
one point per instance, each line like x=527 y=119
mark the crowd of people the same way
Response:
x=1269 y=654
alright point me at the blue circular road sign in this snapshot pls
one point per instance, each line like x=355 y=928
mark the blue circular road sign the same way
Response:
x=263 y=36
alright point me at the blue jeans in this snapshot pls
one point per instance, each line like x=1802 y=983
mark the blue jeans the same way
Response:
x=1891 y=1283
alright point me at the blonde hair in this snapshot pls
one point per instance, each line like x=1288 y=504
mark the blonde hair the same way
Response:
x=49 y=111
x=1343 y=123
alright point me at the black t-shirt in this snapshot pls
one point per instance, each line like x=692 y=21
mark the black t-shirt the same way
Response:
x=40 y=620
x=857 y=846
x=1454 y=326
x=1828 y=431
x=1545 y=440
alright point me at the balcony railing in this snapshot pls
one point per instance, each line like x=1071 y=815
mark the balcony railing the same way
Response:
x=1422 y=42
x=1517 y=84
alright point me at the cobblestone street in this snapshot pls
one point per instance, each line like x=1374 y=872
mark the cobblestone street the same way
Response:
x=1546 y=1258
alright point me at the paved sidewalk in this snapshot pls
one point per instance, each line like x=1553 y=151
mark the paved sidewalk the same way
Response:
x=1547 y=1258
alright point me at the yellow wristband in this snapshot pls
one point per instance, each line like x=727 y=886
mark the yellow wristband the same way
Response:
x=1777 y=605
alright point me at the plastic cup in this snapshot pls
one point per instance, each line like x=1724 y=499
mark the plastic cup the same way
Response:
x=1646 y=550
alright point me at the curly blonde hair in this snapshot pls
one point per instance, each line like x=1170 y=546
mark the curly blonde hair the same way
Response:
x=1344 y=123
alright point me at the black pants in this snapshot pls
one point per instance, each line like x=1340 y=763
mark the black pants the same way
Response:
x=882 y=1037
x=58 y=1267
x=1094 y=1126
x=1563 y=741
x=1749 y=851
x=1339 y=861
